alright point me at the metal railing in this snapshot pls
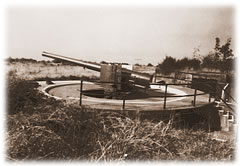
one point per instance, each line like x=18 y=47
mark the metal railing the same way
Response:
x=165 y=95
x=228 y=94
x=211 y=91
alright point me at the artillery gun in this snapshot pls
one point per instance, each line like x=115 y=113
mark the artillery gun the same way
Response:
x=115 y=78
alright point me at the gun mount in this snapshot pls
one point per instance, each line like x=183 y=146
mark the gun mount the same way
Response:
x=115 y=78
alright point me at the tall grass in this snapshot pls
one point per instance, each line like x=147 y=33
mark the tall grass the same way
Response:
x=50 y=130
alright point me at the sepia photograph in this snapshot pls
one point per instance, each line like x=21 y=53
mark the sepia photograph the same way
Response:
x=120 y=83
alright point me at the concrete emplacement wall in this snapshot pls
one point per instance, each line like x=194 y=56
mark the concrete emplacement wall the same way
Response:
x=203 y=114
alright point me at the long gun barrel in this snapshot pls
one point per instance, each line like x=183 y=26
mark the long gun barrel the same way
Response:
x=94 y=67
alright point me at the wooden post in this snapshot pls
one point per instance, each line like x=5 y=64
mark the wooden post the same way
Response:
x=209 y=100
x=195 y=95
x=165 y=97
x=81 y=86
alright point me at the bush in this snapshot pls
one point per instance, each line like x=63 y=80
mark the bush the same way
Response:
x=134 y=140
x=68 y=133
x=56 y=134
x=23 y=95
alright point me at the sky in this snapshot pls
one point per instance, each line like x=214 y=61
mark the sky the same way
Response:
x=116 y=34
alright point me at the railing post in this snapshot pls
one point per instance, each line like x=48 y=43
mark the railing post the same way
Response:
x=165 y=97
x=210 y=96
x=81 y=86
x=195 y=95
x=123 y=106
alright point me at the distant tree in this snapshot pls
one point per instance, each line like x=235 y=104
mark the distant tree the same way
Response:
x=103 y=62
x=56 y=61
x=210 y=61
x=21 y=60
x=196 y=53
x=194 y=63
x=182 y=63
x=226 y=57
x=149 y=65
x=221 y=58
x=64 y=62
x=188 y=63
x=9 y=60
x=168 y=65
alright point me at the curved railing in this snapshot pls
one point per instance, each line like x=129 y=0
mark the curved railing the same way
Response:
x=165 y=96
x=211 y=91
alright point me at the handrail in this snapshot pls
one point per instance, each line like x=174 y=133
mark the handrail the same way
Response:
x=227 y=93
x=202 y=83
x=165 y=96
x=211 y=91
x=226 y=104
x=221 y=98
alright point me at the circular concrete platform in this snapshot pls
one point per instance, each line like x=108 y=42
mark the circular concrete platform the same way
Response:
x=179 y=97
